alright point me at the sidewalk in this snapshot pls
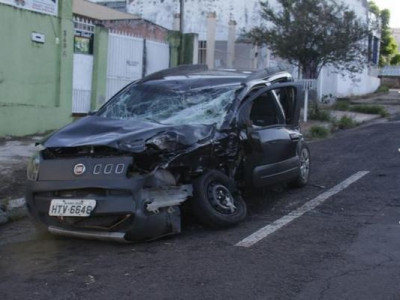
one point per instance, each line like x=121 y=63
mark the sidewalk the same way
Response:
x=14 y=155
x=390 y=101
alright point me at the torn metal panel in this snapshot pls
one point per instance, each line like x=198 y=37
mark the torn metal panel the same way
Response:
x=166 y=197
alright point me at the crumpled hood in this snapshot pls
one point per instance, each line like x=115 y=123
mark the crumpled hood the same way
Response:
x=127 y=135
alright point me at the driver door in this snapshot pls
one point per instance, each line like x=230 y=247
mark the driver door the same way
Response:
x=272 y=135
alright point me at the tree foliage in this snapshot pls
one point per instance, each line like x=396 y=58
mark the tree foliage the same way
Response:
x=389 y=53
x=312 y=34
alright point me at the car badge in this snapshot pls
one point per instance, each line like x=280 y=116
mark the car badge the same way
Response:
x=79 y=169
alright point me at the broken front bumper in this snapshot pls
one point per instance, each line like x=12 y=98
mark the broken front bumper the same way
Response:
x=127 y=209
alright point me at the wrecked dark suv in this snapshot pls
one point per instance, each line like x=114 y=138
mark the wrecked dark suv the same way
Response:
x=180 y=135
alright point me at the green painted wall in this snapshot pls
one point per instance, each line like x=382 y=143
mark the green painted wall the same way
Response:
x=35 y=79
x=181 y=48
x=174 y=40
x=99 y=68
x=188 y=47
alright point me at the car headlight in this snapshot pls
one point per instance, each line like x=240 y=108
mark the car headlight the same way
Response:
x=166 y=141
x=32 y=171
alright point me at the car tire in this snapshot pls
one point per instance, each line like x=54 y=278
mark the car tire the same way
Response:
x=216 y=203
x=304 y=170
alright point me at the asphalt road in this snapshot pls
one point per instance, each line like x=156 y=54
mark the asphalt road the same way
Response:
x=346 y=248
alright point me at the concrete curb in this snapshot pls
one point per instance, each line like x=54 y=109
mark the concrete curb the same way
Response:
x=14 y=210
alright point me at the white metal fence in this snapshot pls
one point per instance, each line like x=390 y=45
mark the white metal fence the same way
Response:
x=308 y=85
x=81 y=103
x=130 y=58
x=124 y=61
x=157 y=56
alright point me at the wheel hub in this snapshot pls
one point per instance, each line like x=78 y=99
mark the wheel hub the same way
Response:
x=304 y=164
x=221 y=198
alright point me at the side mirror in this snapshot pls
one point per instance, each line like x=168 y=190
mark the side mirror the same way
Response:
x=92 y=112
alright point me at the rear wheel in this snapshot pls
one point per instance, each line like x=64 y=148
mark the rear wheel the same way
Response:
x=216 y=202
x=304 y=171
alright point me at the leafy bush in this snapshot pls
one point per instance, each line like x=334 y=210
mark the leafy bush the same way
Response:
x=346 y=122
x=382 y=89
x=319 y=132
x=370 y=109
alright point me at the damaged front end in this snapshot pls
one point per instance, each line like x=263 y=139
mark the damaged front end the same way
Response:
x=123 y=173
x=138 y=181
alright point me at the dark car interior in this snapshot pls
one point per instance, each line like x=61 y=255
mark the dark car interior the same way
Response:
x=265 y=111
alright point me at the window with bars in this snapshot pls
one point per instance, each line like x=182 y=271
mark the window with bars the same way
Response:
x=202 y=52
x=83 y=35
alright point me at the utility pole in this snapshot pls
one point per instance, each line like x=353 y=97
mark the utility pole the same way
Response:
x=181 y=12
x=181 y=24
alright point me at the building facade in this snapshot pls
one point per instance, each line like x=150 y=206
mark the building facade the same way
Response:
x=246 y=14
x=55 y=64
x=36 y=56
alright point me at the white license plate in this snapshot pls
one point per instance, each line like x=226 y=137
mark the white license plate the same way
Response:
x=71 y=207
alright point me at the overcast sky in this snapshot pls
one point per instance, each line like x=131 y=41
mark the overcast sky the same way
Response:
x=394 y=7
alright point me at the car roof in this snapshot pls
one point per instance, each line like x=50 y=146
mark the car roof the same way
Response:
x=203 y=76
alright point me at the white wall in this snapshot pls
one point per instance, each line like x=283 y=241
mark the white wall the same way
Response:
x=245 y=12
x=363 y=84
x=338 y=85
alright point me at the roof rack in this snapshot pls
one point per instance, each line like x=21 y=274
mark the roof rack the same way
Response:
x=181 y=70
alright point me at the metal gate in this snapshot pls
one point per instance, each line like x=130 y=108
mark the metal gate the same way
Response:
x=82 y=65
x=157 y=56
x=82 y=83
x=124 y=61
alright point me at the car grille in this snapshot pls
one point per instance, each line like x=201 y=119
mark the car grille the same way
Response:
x=82 y=193
x=73 y=152
x=107 y=223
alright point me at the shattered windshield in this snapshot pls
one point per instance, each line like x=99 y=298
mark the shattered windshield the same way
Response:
x=172 y=107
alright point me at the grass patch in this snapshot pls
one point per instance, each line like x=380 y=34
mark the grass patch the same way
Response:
x=319 y=132
x=319 y=115
x=345 y=122
x=370 y=109
x=343 y=105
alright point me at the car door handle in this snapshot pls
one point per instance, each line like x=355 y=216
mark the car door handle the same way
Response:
x=295 y=137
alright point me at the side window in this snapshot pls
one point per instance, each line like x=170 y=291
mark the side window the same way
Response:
x=287 y=100
x=266 y=110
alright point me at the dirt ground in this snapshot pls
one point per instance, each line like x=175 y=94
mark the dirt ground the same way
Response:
x=14 y=155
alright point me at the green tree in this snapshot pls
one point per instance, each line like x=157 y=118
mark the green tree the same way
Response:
x=312 y=34
x=389 y=53
x=395 y=61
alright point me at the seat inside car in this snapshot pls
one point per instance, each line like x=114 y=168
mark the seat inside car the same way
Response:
x=264 y=111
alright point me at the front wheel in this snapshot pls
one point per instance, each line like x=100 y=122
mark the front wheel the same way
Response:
x=304 y=171
x=215 y=202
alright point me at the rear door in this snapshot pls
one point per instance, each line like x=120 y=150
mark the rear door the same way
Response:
x=271 y=118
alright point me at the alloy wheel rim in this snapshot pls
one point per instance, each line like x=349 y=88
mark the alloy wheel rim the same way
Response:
x=304 y=165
